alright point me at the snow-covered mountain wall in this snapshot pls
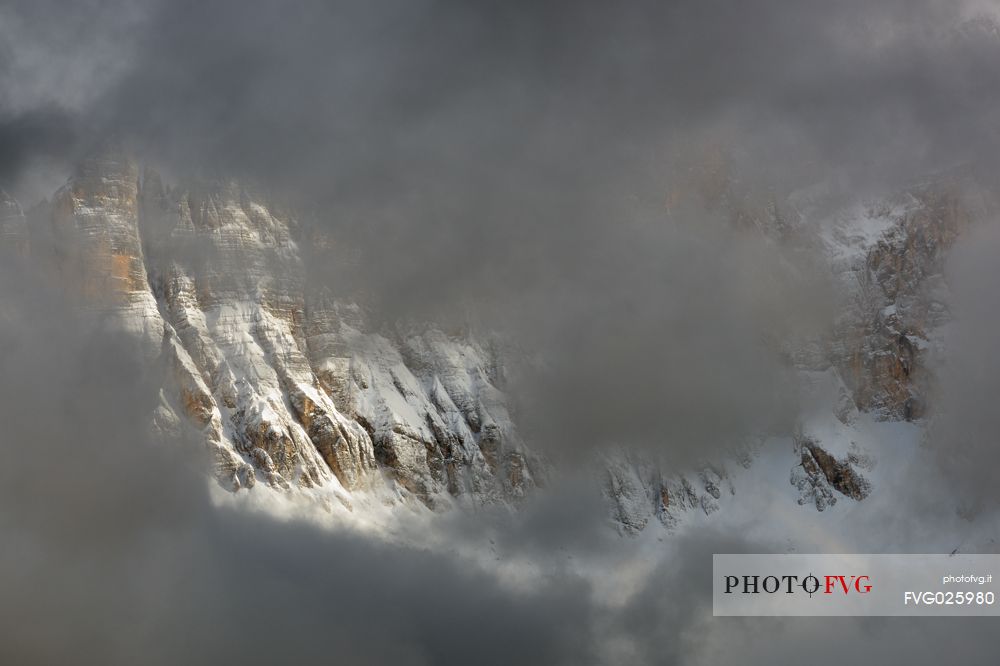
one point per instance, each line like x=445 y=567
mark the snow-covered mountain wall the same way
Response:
x=284 y=384
x=294 y=388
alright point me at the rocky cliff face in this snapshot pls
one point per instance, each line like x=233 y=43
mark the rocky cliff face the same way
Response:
x=292 y=388
x=285 y=385
x=889 y=260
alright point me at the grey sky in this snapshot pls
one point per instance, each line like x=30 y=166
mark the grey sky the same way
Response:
x=361 y=100
x=507 y=163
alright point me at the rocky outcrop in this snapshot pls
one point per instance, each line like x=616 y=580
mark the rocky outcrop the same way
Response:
x=819 y=474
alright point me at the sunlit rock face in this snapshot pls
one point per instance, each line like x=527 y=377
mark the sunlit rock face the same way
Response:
x=96 y=249
x=285 y=385
x=429 y=402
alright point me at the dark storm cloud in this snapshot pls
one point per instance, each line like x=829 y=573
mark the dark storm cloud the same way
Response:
x=439 y=99
x=34 y=135
x=370 y=102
